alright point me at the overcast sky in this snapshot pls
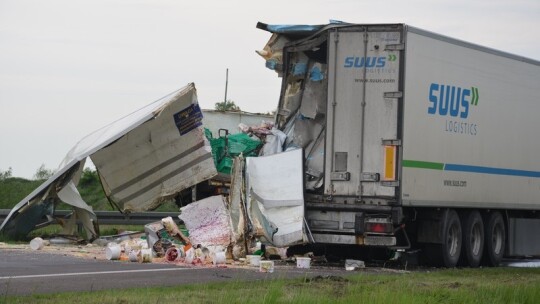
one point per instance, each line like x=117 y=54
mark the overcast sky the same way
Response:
x=69 y=67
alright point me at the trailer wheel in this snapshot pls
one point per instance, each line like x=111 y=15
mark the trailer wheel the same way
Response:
x=447 y=253
x=473 y=238
x=495 y=239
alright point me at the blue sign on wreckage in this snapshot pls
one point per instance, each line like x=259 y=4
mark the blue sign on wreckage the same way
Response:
x=188 y=119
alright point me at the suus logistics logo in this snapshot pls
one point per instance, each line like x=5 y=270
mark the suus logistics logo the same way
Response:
x=368 y=62
x=454 y=102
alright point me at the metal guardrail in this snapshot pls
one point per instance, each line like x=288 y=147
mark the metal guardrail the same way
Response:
x=113 y=217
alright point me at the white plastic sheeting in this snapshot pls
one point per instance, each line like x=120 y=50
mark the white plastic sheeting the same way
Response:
x=274 y=142
x=276 y=197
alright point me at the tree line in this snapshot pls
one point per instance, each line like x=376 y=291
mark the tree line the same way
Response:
x=42 y=173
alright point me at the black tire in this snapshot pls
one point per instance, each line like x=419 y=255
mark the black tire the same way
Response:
x=495 y=239
x=473 y=238
x=448 y=252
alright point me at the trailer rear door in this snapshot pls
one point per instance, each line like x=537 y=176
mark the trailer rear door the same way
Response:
x=362 y=143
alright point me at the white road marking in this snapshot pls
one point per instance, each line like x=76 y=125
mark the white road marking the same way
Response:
x=93 y=273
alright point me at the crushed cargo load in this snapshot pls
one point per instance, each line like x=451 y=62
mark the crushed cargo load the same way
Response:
x=301 y=116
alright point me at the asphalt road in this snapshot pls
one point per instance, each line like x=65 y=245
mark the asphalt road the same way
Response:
x=24 y=272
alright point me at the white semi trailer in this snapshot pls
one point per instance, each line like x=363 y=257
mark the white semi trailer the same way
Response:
x=412 y=139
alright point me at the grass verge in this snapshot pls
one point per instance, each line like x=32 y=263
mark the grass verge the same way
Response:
x=490 y=285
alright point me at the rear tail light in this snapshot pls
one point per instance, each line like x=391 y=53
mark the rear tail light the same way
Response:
x=378 y=226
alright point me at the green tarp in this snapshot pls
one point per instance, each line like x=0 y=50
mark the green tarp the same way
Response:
x=225 y=148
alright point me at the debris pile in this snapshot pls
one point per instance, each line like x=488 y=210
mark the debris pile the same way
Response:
x=159 y=151
x=260 y=218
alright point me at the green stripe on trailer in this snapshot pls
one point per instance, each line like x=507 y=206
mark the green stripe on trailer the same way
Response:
x=422 y=164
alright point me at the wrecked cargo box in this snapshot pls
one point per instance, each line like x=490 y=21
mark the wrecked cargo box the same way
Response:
x=302 y=106
x=157 y=159
x=142 y=159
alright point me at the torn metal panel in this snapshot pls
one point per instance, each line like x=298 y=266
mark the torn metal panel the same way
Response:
x=272 y=53
x=87 y=219
x=315 y=92
x=314 y=164
x=275 y=180
x=236 y=199
x=303 y=131
x=19 y=223
x=293 y=97
x=158 y=159
x=299 y=31
x=294 y=30
x=276 y=197
x=301 y=114
x=39 y=204
x=309 y=134
x=281 y=227
x=83 y=212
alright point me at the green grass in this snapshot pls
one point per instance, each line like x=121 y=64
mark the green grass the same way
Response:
x=494 y=285
x=14 y=189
